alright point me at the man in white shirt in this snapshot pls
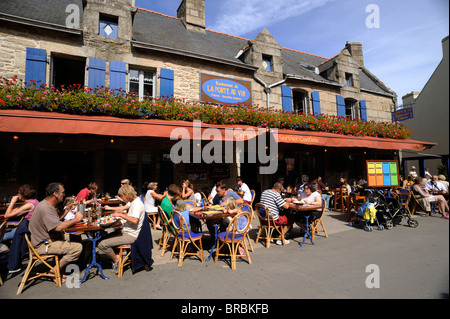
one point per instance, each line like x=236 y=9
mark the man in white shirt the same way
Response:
x=435 y=185
x=244 y=191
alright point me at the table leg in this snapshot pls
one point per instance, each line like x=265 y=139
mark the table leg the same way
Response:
x=215 y=241
x=307 y=232
x=94 y=262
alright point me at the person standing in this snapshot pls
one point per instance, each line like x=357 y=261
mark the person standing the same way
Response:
x=46 y=228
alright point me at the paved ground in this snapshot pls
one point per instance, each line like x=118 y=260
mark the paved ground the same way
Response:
x=411 y=263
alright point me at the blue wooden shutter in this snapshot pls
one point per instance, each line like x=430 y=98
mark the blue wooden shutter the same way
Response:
x=316 y=103
x=166 y=83
x=340 y=102
x=35 y=66
x=117 y=75
x=363 y=107
x=96 y=69
x=286 y=97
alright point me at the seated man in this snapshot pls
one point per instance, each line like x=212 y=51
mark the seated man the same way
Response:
x=273 y=200
x=434 y=185
x=46 y=228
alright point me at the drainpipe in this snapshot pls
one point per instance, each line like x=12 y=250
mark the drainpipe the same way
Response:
x=268 y=88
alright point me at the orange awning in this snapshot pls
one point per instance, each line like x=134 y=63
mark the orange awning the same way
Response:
x=20 y=121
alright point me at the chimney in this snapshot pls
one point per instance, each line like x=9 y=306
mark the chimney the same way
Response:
x=409 y=99
x=355 y=49
x=192 y=13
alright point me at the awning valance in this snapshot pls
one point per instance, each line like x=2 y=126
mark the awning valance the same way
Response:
x=21 y=121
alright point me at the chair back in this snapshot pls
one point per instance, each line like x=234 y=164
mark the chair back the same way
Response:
x=252 y=191
x=180 y=225
x=404 y=196
x=239 y=225
x=246 y=208
x=264 y=214
x=2 y=230
x=190 y=202
x=164 y=219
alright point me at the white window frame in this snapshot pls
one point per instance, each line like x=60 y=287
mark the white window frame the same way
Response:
x=141 y=82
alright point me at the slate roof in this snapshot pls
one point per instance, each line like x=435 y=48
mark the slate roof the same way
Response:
x=48 y=11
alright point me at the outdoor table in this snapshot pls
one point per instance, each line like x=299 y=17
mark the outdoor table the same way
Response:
x=306 y=209
x=208 y=213
x=95 y=230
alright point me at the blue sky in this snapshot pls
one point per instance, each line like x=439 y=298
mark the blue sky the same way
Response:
x=402 y=50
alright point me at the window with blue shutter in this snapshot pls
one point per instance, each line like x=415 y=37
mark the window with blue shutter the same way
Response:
x=316 y=103
x=117 y=75
x=35 y=66
x=96 y=75
x=340 y=104
x=286 y=97
x=363 y=108
x=108 y=26
x=166 y=83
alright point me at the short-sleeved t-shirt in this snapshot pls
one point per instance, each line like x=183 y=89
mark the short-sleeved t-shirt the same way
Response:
x=136 y=210
x=83 y=193
x=43 y=222
x=219 y=200
x=273 y=201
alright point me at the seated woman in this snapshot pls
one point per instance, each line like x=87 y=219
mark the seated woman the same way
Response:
x=188 y=192
x=425 y=199
x=150 y=201
x=313 y=198
x=130 y=231
x=168 y=202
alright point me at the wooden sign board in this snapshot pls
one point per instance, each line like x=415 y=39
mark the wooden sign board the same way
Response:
x=382 y=173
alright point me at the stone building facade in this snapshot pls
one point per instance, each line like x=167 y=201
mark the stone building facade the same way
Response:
x=115 y=44
x=149 y=41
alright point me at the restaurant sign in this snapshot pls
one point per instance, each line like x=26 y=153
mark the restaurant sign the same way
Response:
x=403 y=114
x=216 y=89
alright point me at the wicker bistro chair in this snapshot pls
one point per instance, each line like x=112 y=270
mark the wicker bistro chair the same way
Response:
x=319 y=222
x=247 y=208
x=234 y=238
x=267 y=224
x=152 y=217
x=252 y=191
x=184 y=237
x=34 y=257
x=167 y=231
x=125 y=260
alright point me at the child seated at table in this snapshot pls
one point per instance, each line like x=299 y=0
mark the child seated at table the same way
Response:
x=70 y=208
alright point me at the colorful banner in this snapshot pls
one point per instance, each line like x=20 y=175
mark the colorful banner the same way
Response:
x=382 y=174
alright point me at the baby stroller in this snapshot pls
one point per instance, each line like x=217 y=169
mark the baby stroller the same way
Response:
x=368 y=213
x=391 y=211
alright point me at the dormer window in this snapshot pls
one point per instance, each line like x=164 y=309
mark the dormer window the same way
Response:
x=349 y=79
x=267 y=63
x=108 y=26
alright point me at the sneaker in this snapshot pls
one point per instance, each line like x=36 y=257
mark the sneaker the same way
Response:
x=444 y=217
x=279 y=242
x=14 y=271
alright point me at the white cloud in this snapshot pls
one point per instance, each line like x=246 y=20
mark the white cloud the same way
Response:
x=238 y=17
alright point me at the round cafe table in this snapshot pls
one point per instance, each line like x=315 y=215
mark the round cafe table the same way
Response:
x=93 y=232
x=306 y=210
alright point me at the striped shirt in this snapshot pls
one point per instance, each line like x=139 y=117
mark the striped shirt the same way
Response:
x=273 y=201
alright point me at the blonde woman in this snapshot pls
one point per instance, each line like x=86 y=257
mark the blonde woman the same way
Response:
x=131 y=228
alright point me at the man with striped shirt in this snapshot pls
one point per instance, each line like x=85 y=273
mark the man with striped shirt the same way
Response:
x=273 y=200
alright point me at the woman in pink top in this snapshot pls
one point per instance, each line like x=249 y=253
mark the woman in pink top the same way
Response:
x=26 y=194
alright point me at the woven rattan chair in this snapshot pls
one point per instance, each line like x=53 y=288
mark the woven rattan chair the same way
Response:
x=34 y=257
x=267 y=224
x=234 y=238
x=184 y=238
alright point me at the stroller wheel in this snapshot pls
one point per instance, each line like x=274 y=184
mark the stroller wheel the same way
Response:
x=389 y=224
x=380 y=227
x=350 y=224
x=413 y=223
x=368 y=228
